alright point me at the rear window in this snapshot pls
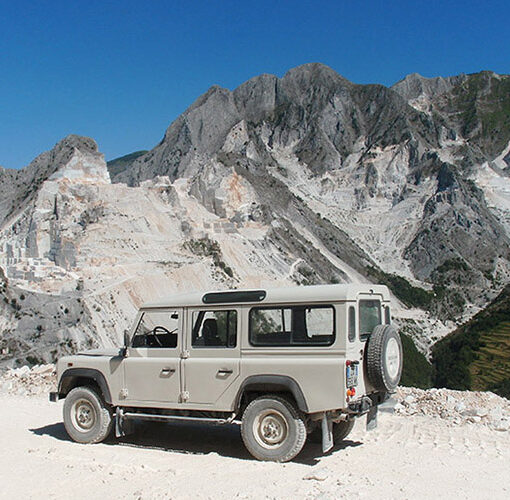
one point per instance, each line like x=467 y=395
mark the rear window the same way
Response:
x=292 y=326
x=369 y=317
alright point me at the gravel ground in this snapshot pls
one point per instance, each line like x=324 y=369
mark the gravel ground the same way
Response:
x=427 y=444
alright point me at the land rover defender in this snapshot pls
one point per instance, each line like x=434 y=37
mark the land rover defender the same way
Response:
x=287 y=364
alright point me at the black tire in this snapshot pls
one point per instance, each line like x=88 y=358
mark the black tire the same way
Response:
x=273 y=429
x=384 y=358
x=86 y=417
x=340 y=431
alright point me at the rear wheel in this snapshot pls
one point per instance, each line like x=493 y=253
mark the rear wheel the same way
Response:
x=273 y=429
x=86 y=417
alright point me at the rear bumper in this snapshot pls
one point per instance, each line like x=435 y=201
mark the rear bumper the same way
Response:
x=54 y=397
x=362 y=405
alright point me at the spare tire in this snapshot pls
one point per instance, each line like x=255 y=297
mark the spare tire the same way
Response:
x=384 y=358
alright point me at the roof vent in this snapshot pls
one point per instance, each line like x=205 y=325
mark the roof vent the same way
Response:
x=234 y=296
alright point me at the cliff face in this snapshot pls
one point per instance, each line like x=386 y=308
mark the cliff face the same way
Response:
x=397 y=170
x=306 y=179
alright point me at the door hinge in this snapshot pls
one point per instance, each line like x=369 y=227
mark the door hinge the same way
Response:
x=184 y=354
x=184 y=396
x=123 y=394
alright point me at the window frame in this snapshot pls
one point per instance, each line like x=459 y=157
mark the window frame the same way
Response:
x=292 y=306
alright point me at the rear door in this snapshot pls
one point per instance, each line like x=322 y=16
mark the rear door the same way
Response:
x=151 y=369
x=212 y=354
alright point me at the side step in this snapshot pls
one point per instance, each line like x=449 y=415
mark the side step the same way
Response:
x=122 y=417
x=168 y=418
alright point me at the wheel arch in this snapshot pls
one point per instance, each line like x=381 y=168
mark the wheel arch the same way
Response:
x=76 y=377
x=271 y=384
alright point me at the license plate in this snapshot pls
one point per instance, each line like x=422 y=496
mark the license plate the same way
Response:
x=352 y=375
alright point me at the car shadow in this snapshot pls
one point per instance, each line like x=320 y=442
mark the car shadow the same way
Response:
x=312 y=452
x=186 y=437
x=56 y=431
x=194 y=438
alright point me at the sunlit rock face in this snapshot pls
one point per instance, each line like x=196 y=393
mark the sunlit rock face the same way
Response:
x=303 y=179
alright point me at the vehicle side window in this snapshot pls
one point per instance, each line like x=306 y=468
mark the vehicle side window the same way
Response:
x=157 y=329
x=369 y=317
x=387 y=315
x=214 y=329
x=292 y=326
x=352 y=323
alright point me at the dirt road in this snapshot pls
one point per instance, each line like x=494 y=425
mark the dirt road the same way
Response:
x=405 y=457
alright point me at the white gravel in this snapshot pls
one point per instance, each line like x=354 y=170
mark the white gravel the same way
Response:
x=414 y=453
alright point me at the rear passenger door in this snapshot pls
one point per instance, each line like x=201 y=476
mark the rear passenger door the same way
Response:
x=211 y=364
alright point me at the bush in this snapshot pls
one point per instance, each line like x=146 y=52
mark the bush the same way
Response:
x=502 y=388
x=205 y=247
x=417 y=371
x=411 y=296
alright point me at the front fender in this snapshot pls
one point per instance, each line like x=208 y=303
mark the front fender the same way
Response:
x=71 y=375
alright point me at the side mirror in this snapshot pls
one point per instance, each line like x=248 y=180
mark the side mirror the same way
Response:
x=126 y=344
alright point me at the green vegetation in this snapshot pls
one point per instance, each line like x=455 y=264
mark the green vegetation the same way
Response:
x=205 y=247
x=492 y=364
x=417 y=371
x=456 y=264
x=411 y=296
x=484 y=100
x=476 y=356
x=502 y=388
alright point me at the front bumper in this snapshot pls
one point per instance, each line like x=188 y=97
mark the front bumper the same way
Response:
x=54 y=397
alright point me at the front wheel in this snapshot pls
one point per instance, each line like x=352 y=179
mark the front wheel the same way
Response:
x=273 y=429
x=86 y=418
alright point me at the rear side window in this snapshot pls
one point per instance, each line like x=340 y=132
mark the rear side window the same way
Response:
x=214 y=329
x=387 y=315
x=352 y=323
x=369 y=317
x=292 y=326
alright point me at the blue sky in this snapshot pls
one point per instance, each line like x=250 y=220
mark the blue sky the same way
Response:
x=122 y=71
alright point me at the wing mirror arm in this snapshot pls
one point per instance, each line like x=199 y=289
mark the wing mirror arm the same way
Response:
x=124 y=350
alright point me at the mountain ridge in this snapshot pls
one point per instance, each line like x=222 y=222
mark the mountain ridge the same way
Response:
x=303 y=179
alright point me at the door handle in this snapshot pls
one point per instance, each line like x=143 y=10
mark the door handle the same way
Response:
x=167 y=371
x=224 y=371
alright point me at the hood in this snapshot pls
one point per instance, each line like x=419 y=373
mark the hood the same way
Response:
x=112 y=351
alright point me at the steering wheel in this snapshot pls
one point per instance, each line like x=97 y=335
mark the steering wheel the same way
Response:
x=155 y=331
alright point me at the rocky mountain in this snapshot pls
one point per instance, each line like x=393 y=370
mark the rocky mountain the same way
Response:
x=305 y=179
x=120 y=164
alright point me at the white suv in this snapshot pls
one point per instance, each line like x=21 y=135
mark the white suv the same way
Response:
x=286 y=363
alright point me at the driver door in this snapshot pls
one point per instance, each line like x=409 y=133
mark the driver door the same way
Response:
x=152 y=366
